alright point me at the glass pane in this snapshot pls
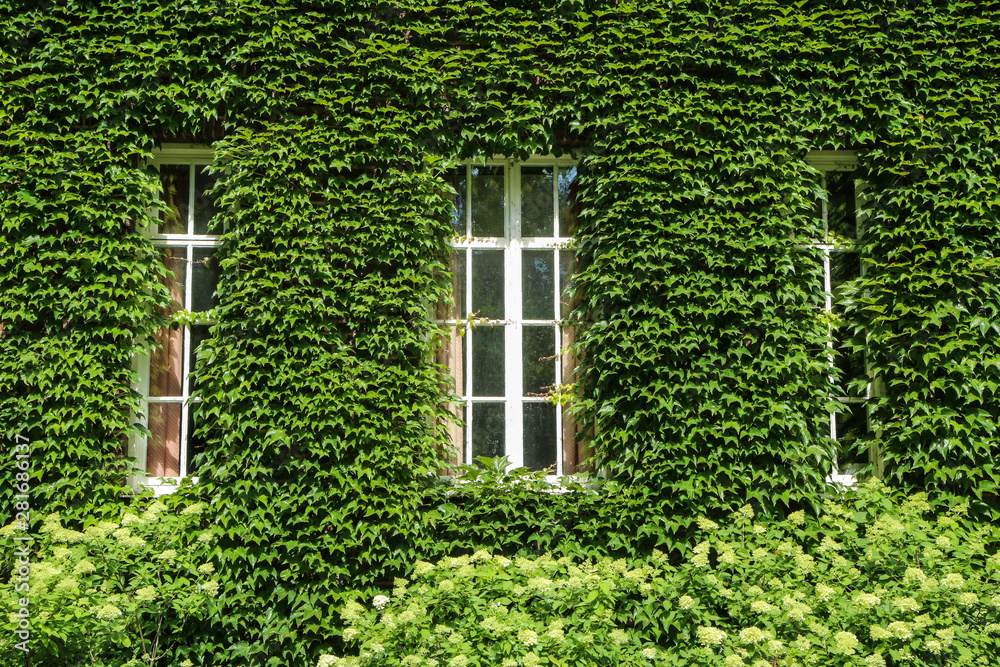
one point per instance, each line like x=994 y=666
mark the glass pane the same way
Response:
x=204 y=280
x=851 y=366
x=176 y=182
x=538 y=288
x=568 y=206
x=540 y=439
x=844 y=266
x=850 y=427
x=489 y=429
x=460 y=307
x=166 y=373
x=163 y=448
x=537 y=210
x=841 y=219
x=204 y=202
x=567 y=269
x=457 y=180
x=487 y=361
x=195 y=443
x=487 y=284
x=175 y=261
x=538 y=349
x=166 y=362
x=199 y=333
x=487 y=201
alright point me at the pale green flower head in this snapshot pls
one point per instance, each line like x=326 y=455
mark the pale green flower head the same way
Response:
x=168 y=555
x=68 y=585
x=206 y=568
x=866 y=600
x=967 y=599
x=649 y=652
x=380 y=601
x=210 y=587
x=933 y=646
x=900 y=630
x=754 y=635
x=84 y=567
x=746 y=513
x=618 y=636
x=710 y=636
x=108 y=612
x=531 y=660
x=527 y=636
x=129 y=519
x=875 y=660
x=733 y=660
x=878 y=633
x=914 y=576
x=699 y=560
x=954 y=581
x=797 y=518
x=707 y=524
x=421 y=568
x=145 y=594
x=845 y=643
x=350 y=633
x=195 y=508
x=906 y=604
x=685 y=602
x=824 y=592
x=762 y=607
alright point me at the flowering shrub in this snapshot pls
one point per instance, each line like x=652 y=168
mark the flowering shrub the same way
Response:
x=873 y=581
x=113 y=593
x=485 y=610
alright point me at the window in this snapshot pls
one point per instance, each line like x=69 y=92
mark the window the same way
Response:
x=507 y=348
x=837 y=211
x=186 y=241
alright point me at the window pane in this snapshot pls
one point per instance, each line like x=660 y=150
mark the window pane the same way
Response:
x=452 y=355
x=538 y=359
x=851 y=366
x=166 y=372
x=487 y=201
x=199 y=333
x=204 y=203
x=455 y=310
x=163 y=448
x=540 y=439
x=457 y=181
x=176 y=182
x=568 y=206
x=195 y=443
x=844 y=266
x=850 y=427
x=537 y=285
x=487 y=361
x=204 y=279
x=166 y=362
x=489 y=429
x=487 y=284
x=841 y=220
x=537 y=210
x=567 y=268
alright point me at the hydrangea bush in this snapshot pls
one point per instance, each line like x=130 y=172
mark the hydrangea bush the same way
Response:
x=485 y=610
x=875 y=580
x=116 y=592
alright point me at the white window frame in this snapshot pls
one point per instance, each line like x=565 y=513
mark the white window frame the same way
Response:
x=170 y=154
x=826 y=162
x=513 y=244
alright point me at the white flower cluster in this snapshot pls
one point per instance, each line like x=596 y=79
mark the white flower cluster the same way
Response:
x=710 y=636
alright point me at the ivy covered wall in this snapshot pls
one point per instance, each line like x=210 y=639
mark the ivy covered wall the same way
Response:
x=332 y=124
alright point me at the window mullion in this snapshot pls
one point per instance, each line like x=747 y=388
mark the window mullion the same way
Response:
x=512 y=328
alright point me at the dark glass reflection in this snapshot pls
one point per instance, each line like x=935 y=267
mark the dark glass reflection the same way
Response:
x=176 y=182
x=537 y=209
x=540 y=437
x=841 y=218
x=489 y=429
x=487 y=361
x=537 y=285
x=538 y=359
x=844 y=266
x=457 y=179
x=850 y=427
x=567 y=269
x=487 y=201
x=487 y=284
x=204 y=280
x=204 y=201
x=568 y=204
